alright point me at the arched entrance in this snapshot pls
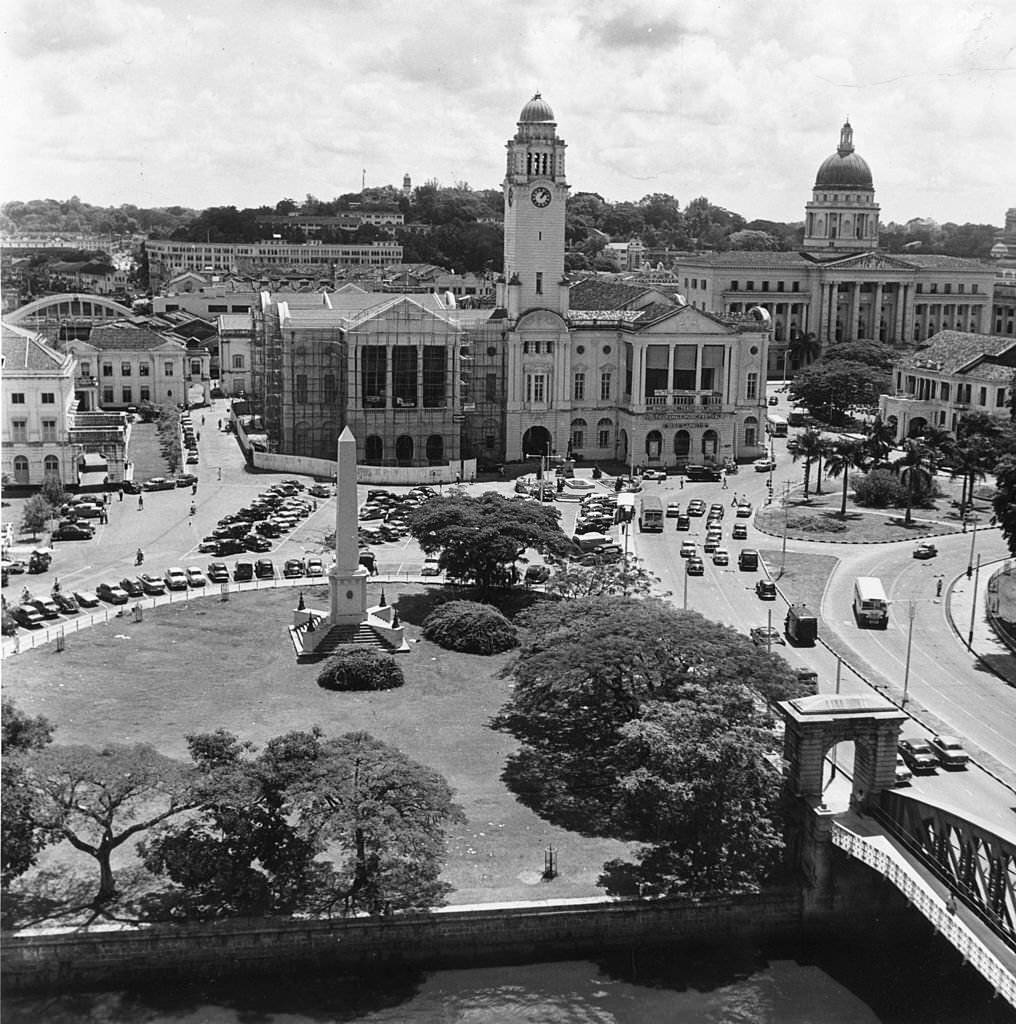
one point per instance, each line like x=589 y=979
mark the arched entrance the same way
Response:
x=404 y=450
x=654 y=445
x=918 y=425
x=682 y=445
x=20 y=469
x=435 y=450
x=622 y=445
x=374 y=450
x=536 y=441
x=710 y=444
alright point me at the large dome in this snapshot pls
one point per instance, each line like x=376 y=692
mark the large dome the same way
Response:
x=844 y=169
x=536 y=110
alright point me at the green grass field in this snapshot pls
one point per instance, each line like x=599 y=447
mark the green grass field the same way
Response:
x=211 y=664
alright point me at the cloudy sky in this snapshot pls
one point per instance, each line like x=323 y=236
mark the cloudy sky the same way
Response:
x=160 y=102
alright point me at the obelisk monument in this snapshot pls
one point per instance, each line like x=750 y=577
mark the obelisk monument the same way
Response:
x=347 y=579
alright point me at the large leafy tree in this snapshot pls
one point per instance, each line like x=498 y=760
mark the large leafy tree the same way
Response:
x=832 y=387
x=21 y=839
x=1004 y=502
x=625 y=577
x=99 y=799
x=879 y=441
x=36 y=513
x=623 y=706
x=481 y=539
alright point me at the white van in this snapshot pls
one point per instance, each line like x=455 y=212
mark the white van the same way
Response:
x=871 y=607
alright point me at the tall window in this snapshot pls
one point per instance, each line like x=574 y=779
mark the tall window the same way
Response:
x=167 y=368
x=330 y=389
x=685 y=368
x=604 y=387
x=107 y=396
x=195 y=367
x=539 y=283
x=128 y=395
x=751 y=388
x=373 y=370
x=144 y=369
x=19 y=431
x=18 y=398
x=579 y=389
x=125 y=369
x=49 y=430
x=490 y=387
x=750 y=432
x=238 y=361
x=51 y=466
x=434 y=362
x=301 y=389
x=603 y=433
x=404 y=381
x=107 y=369
x=86 y=369
x=536 y=387
x=146 y=394
x=578 y=433
x=48 y=398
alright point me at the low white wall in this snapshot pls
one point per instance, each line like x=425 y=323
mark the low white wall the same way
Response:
x=394 y=475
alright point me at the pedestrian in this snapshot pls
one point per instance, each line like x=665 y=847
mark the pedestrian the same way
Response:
x=194 y=488
x=202 y=421
x=220 y=472
x=193 y=508
x=139 y=558
x=220 y=424
x=725 y=482
x=120 y=492
x=199 y=435
x=103 y=516
x=141 y=502
x=681 y=478
x=56 y=585
x=938 y=589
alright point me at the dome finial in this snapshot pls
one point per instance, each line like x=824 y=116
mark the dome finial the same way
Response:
x=846 y=139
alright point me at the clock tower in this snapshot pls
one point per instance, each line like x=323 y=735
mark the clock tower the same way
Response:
x=535 y=193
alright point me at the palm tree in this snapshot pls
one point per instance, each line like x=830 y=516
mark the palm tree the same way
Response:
x=808 y=445
x=803 y=348
x=845 y=456
x=971 y=460
x=880 y=441
x=917 y=462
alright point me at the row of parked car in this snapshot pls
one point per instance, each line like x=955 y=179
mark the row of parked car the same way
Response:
x=384 y=516
x=252 y=528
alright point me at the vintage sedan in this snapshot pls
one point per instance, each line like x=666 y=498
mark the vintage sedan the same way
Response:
x=218 y=572
x=158 y=483
x=925 y=550
x=86 y=598
x=111 y=594
x=918 y=755
x=152 y=585
x=176 y=578
x=766 y=636
x=132 y=587
x=195 y=577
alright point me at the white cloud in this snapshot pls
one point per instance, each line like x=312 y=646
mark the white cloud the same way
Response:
x=176 y=101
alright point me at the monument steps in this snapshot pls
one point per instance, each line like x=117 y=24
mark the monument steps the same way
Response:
x=361 y=635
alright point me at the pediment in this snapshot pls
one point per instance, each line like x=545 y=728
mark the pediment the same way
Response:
x=540 y=320
x=871 y=261
x=687 y=320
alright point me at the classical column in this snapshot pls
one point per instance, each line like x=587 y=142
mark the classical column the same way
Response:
x=670 y=373
x=877 y=314
x=854 y=306
x=901 y=289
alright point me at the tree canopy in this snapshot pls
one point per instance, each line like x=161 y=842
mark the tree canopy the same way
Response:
x=479 y=540
x=831 y=387
x=629 y=713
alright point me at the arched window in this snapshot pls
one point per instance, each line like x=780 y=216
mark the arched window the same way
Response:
x=374 y=450
x=750 y=431
x=491 y=431
x=404 y=450
x=51 y=466
x=604 y=432
x=682 y=444
x=654 y=444
x=435 y=449
x=578 y=433
x=20 y=469
x=710 y=444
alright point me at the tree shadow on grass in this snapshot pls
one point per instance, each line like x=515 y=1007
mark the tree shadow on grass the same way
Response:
x=414 y=608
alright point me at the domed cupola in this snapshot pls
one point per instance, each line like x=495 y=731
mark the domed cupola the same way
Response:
x=536 y=110
x=842 y=214
x=845 y=168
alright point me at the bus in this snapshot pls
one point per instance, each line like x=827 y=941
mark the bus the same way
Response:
x=776 y=424
x=871 y=607
x=651 y=514
x=797 y=416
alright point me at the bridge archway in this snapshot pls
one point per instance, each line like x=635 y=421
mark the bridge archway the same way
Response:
x=816 y=724
x=68 y=306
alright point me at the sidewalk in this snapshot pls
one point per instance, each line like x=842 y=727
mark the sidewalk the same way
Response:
x=970 y=621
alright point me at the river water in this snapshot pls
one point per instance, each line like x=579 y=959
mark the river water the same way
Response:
x=904 y=977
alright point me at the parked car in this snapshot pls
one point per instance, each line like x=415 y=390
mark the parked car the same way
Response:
x=766 y=636
x=689 y=549
x=85 y=511
x=264 y=569
x=40 y=560
x=919 y=756
x=186 y=480
x=86 y=599
x=695 y=567
x=47 y=606
x=192 y=460
x=712 y=542
x=654 y=474
x=293 y=569
x=430 y=567
x=153 y=586
x=195 y=577
x=255 y=542
x=207 y=544
x=66 y=603
x=158 y=483
x=315 y=567
x=696 y=507
x=132 y=587
x=537 y=574
x=903 y=773
x=243 y=572
x=683 y=523
x=73 y=531
x=740 y=531
x=743 y=510
x=706 y=473
x=320 y=491
x=111 y=593
x=716 y=510
x=747 y=560
x=764 y=465
x=721 y=556
x=949 y=751
x=925 y=550
x=28 y=615
x=176 y=578
x=673 y=509
x=229 y=546
x=218 y=572
x=765 y=590
x=130 y=487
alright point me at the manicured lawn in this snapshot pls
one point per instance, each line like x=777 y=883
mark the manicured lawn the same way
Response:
x=211 y=664
x=145 y=453
x=804 y=576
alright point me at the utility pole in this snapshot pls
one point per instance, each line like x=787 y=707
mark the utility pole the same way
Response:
x=973 y=604
x=911 y=615
x=970 y=560
x=786 y=516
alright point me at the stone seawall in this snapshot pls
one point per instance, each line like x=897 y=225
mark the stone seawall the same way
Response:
x=504 y=933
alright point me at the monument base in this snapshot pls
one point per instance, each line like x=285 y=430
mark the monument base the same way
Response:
x=315 y=635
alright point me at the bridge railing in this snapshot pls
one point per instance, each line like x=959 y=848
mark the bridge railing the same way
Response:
x=933 y=907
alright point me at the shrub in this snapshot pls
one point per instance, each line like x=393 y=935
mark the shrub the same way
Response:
x=470 y=627
x=360 y=668
x=880 y=489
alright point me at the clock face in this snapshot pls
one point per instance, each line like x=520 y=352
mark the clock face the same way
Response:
x=541 y=197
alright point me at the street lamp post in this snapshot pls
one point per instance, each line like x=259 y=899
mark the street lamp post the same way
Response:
x=973 y=604
x=685 y=588
x=911 y=615
x=970 y=560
